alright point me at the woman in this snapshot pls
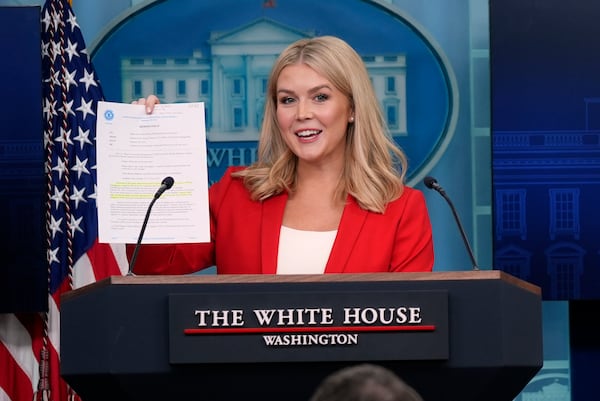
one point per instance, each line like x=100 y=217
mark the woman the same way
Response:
x=327 y=193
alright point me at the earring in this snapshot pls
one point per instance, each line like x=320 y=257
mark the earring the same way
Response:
x=351 y=119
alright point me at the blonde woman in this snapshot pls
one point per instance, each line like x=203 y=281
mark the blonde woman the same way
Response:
x=327 y=192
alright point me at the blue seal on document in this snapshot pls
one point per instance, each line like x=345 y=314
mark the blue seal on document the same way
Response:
x=109 y=115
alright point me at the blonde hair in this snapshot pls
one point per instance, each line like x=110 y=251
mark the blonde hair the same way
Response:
x=375 y=167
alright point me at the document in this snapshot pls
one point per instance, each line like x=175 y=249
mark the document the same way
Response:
x=135 y=151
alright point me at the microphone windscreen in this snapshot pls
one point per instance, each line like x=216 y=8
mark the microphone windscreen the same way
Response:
x=430 y=182
x=168 y=182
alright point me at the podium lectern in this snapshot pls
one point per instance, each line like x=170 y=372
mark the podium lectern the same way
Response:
x=473 y=335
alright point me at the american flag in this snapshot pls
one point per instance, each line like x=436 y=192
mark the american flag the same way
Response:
x=30 y=344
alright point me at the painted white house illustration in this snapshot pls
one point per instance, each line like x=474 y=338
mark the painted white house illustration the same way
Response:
x=232 y=79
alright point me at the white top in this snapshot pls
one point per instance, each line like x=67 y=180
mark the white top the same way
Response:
x=303 y=252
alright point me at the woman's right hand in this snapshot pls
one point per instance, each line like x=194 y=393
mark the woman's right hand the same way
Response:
x=149 y=101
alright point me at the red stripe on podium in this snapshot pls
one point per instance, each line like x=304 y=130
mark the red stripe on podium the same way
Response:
x=327 y=329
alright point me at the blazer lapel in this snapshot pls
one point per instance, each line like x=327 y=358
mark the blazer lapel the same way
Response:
x=272 y=217
x=351 y=224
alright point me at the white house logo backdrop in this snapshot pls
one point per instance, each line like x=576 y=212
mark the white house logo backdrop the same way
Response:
x=221 y=52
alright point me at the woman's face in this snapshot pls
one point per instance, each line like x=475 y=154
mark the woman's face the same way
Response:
x=312 y=115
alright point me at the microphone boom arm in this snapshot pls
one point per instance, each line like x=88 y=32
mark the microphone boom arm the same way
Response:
x=432 y=183
x=165 y=185
x=462 y=231
x=139 y=240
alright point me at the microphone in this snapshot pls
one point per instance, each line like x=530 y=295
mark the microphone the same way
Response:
x=432 y=183
x=165 y=185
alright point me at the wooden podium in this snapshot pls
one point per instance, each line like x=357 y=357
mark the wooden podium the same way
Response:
x=473 y=335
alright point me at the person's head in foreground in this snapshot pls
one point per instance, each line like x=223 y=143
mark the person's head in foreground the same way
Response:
x=364 y=382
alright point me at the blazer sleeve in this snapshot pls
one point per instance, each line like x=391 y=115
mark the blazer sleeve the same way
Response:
x=413 y=250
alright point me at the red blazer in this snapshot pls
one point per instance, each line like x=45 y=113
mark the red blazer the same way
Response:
x=245 y=237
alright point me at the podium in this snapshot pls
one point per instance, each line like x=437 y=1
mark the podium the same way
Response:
x=473 y=335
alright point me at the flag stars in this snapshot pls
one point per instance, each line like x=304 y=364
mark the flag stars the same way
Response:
x=74 y=226
x=71 y=49
x=48 y=139
x=88 y=79
x=86 y=108
x=64 y=138
x=78 y=196
x=67 y=109
x=80 y=167
x=70 y=120
x=46 y=21
x=54 y=226
x=51 y=256
x=55 y=78
x=57 y=197
x=49 y=108
x=70 y=79
x=56 y=49
x=72 y=21
x=56 y=20
x=83 y=137
x=60 y=167
x=45 y=49
x=94 y=194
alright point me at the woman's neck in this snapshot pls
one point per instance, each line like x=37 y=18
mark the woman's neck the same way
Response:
x=315 y=204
